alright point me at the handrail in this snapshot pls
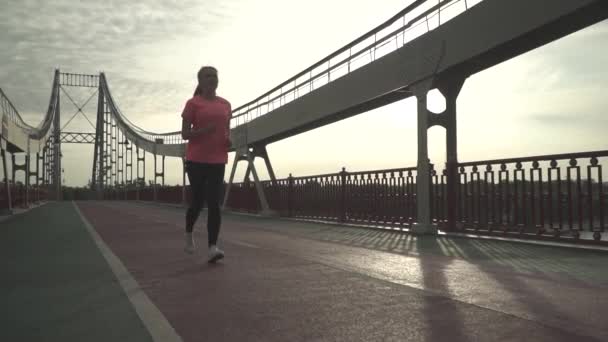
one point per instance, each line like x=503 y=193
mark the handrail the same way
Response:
x=42 y=129
x=375 y=44
x=429 y=13
x=548 y=157
x=11 y=112
x=246 y=112
x=385 y=24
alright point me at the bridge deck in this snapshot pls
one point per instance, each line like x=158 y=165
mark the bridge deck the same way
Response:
x=283 y=281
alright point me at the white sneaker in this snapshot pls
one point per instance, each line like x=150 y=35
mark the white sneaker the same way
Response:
x=189 y=247
x=215 y=253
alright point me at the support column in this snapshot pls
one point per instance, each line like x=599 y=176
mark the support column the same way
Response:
x=45 y=167
x=7 y=188
x=97 y=178
x=247 y=177
x=249 y=155
x=141 y=181
x=38 y=178
x=160 y=174
x=128 y=167
x=238 y=136
x=13 y=170
x=449 y=85
x=107 y=169
x=21 y=167
x=129 y=161
x=238 y=156
x=120 y=179
x=261 y=152
x=450 y=88
x=48 y=166
x=57 y=151
x=154 y=194
x=114 y=155
x=423 y=223
x=41 y=178
x=28 y=175
x=260 y=190
x=163 y=171
x=157 y=174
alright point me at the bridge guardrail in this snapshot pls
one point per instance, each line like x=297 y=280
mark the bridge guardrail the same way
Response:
x=560 y=196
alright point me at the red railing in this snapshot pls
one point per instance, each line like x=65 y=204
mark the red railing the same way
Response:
x=243 y=197
x=19 y=197
x=171 y=194
x=38 y=193
x=555 y=196
x=384 y=197
x=371 y=197
x=560 y=196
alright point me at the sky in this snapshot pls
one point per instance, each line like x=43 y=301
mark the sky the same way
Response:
x=549 y=100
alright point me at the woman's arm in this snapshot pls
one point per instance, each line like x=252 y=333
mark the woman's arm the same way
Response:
x=228 y=141
x=189 y=133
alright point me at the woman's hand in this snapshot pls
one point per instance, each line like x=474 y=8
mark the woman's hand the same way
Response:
x=189 y=133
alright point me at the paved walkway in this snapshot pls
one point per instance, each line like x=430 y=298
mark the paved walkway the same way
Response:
x=120 y=274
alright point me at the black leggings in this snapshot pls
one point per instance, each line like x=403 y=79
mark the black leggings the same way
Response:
x=206 y=182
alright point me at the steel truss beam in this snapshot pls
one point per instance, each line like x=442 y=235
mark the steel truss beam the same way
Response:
x=77 y=138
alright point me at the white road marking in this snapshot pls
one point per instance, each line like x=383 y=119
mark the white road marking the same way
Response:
x=150 y=315
x=241 y=243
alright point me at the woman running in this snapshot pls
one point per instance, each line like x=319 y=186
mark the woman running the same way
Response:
x=206 y=127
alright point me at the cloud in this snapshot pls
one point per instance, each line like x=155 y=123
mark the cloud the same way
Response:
x=91 y=36
x=574 y=119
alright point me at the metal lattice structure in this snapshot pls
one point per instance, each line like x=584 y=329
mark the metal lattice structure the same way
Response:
x=120 y=146
x=77 y=138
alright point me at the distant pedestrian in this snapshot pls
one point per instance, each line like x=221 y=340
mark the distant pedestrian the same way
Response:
x=206 y=127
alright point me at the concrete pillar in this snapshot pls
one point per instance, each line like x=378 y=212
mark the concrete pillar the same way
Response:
x=450 y=88
x=249 y=155
x=57 y=150
x=423 y=224
x=7 y=189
